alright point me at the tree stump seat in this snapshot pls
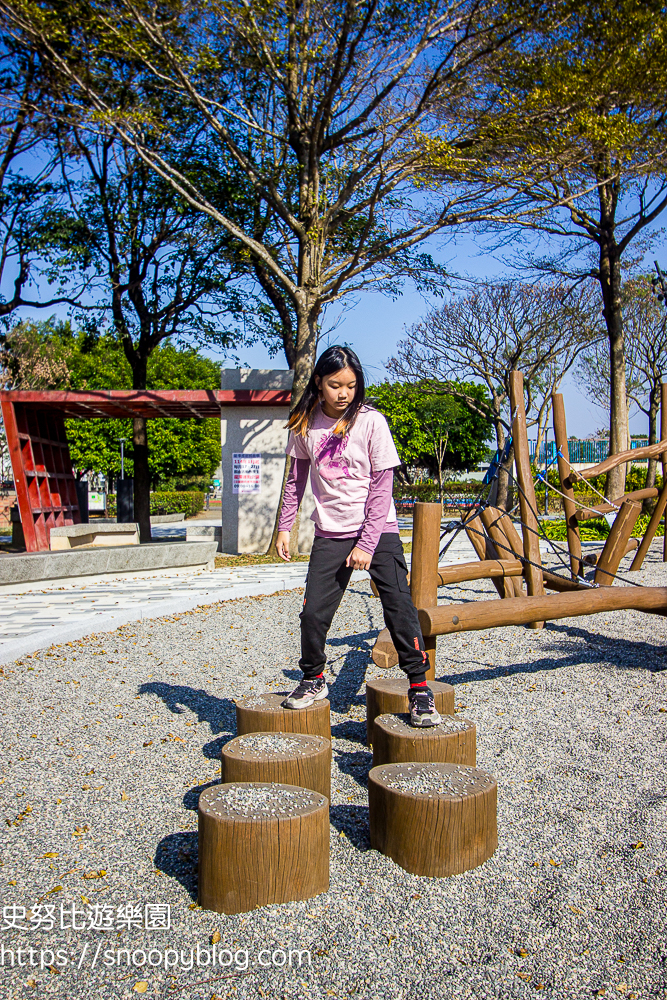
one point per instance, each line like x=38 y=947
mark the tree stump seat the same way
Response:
x=431 y=818
x=263 y=713
x=395 y=741
x=261 y=843
x=287 y=758
x=389 y=695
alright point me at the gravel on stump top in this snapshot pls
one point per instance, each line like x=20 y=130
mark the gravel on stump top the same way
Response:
x=258 y=746
x=433 y=780
x=258 y=800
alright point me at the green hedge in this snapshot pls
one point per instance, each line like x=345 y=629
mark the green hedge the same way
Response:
x=168 y=502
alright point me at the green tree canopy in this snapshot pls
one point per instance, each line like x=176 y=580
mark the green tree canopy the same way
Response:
x=178 y=449
x=422 y=423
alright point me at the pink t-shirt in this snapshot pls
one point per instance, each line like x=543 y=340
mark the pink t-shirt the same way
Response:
x=341 y=467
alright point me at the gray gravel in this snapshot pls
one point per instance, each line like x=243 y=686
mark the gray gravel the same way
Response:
x=108 y=741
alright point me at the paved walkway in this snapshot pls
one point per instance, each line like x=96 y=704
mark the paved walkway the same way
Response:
x=37 y=619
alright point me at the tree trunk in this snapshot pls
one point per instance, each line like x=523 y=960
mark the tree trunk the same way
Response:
x=610 y=283
x=306 y=353
x=142 y=481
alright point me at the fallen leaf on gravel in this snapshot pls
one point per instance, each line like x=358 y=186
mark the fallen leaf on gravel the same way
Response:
x=574 y=909
x=149 y=743
x=556 y=864
x=124 y=797
x=622 y=987
x=522 y=952
x=140 y=987
x=80 y=830
x=50 y=854
x=193 y=906
x=215 y=937
x=526 y=976
x=84 y=899
x=99 y=874
x=637 y=845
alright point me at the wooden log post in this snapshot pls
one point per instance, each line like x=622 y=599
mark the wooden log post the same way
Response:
x=286 y=758
x=390 y=695
x=263 y=713
x=651 y=529
x=527 y=501
x=261 y=843
x=395 y=741
x=384 y=653
x=617 y=542
x=569 y=506
x=493 y=521
x=485 y=549
x=448 y=618
x=424 y=565
x=433 y=819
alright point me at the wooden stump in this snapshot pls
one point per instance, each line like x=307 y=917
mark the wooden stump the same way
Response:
x=433 y=819
x=261 y=843
x=263 y=713
x=395 y=741
x=287 y=758
x=390 y=696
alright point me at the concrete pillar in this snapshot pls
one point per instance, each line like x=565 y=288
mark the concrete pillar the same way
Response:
x=248 y=518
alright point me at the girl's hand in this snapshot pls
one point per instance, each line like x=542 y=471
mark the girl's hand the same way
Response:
x=282 y=545
x=358 y=559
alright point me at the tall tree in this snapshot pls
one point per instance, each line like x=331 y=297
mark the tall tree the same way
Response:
x=579 y=130
x=319 y=105
x=490 y=332
x=645 y=327
x=156 y=268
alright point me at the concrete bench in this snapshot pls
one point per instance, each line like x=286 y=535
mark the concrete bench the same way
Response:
x=204 y=533
x=73 y=536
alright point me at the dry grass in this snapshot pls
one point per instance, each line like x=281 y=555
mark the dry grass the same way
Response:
x=252 y=559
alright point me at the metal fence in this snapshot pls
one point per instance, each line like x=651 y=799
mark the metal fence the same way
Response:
x=581 y=452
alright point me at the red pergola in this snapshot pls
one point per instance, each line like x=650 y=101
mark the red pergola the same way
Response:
x=37 y=441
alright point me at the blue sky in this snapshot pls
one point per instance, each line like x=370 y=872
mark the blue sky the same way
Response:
x=374 y=324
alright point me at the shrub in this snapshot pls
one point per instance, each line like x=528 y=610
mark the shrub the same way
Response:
x=168 y=502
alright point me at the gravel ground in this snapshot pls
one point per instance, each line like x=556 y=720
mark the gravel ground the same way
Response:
x=108 y=741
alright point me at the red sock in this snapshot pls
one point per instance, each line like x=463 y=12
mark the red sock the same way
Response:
x=418 y=684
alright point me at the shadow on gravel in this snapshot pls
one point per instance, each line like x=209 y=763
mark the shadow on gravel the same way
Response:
x=220 y=713
x=354 y=732
x=344 y=692
x=176 y=856
x=357 y=764
x=191 y=797
x=353 y=822
x=623 y=653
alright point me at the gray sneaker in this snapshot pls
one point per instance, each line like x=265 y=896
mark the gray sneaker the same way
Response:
x=306 y=692
x=422 y=708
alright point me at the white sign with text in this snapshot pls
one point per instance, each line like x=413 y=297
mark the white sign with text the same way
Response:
x=246 y=472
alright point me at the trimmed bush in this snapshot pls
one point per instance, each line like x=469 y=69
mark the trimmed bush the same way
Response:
x=168 y=502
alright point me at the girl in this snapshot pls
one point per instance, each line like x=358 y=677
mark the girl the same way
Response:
x=349 y=451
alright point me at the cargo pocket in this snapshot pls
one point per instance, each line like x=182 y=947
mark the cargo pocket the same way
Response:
x=401 y=574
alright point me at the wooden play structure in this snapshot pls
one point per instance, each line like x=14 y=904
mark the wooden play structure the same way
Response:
x=512 y=561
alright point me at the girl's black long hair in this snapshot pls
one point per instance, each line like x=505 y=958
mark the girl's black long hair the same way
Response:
x=334 y=359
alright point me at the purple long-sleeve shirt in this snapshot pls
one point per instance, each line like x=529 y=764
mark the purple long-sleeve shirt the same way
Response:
x=376 y=509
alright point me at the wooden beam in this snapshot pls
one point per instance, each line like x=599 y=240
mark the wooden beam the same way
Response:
x=424 y=566
x=445 y=619
x=607 y=508
x=527 y=502
x=617 y=542
x=659 y=508
x=487 y=569
x=663 y=435
x=648 y=451
x=491 y=518
x=485 y=549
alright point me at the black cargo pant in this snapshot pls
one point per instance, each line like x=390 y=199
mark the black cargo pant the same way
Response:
x=328 y=576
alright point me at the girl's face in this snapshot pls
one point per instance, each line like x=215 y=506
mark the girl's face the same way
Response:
x=337 y=391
